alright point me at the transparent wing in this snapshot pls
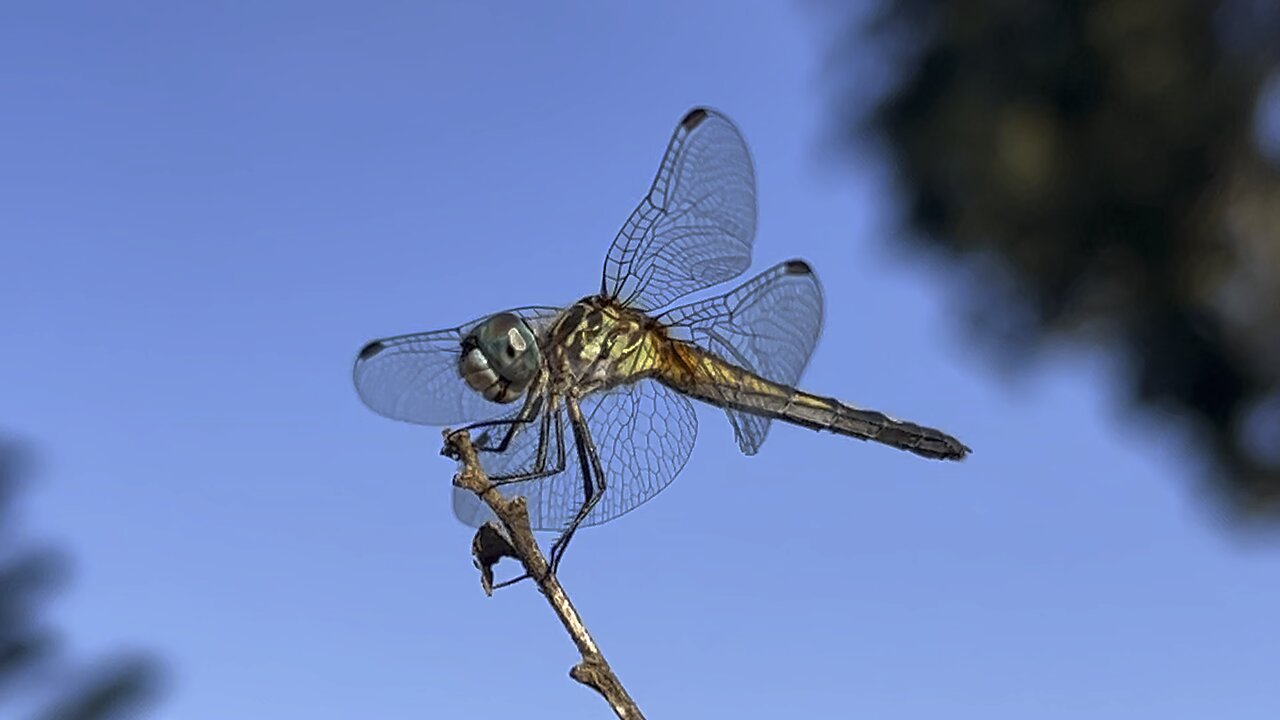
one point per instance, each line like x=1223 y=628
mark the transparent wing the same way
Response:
x=695 y=227
x=768 y=325
x=644 y=434
x=415 y=377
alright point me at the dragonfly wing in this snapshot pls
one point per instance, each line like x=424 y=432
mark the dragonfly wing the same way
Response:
x=415 y=377
x=644 y=434
x=768 y=325
x=695 y=227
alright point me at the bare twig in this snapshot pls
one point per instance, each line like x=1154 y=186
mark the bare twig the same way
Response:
x=517 y=541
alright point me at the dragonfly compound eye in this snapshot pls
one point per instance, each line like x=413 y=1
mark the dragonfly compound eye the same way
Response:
x=500 y=358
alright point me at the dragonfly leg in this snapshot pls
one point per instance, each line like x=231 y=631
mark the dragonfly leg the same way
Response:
x=593 y=482
x=527 y=413
x=540 y=469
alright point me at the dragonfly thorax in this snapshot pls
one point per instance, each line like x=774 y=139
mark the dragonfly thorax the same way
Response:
x=500 y=358
x=598 y=343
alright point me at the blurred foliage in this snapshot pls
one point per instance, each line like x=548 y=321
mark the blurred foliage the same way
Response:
x=1109 y=172
x=34 y=678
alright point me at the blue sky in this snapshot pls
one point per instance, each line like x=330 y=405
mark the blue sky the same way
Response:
x=206 y=211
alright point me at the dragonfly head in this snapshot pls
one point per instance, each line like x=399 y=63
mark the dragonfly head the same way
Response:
x=500 y=358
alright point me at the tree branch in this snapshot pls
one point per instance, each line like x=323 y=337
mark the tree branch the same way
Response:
x=518 y=542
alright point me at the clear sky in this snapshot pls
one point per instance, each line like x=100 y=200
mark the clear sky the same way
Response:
x=206 y=211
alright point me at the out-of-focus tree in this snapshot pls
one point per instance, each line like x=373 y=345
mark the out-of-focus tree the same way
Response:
x=1105 y=171
x=35 y=680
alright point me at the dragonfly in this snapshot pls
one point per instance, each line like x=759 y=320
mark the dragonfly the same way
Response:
x=585 y=410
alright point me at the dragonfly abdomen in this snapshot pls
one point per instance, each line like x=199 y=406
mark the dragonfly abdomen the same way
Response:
x=711 y=379
x=830 y=414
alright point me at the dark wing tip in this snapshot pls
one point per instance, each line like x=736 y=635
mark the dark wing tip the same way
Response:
x=372 y=349
x=797 y=267
x=693 y=119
